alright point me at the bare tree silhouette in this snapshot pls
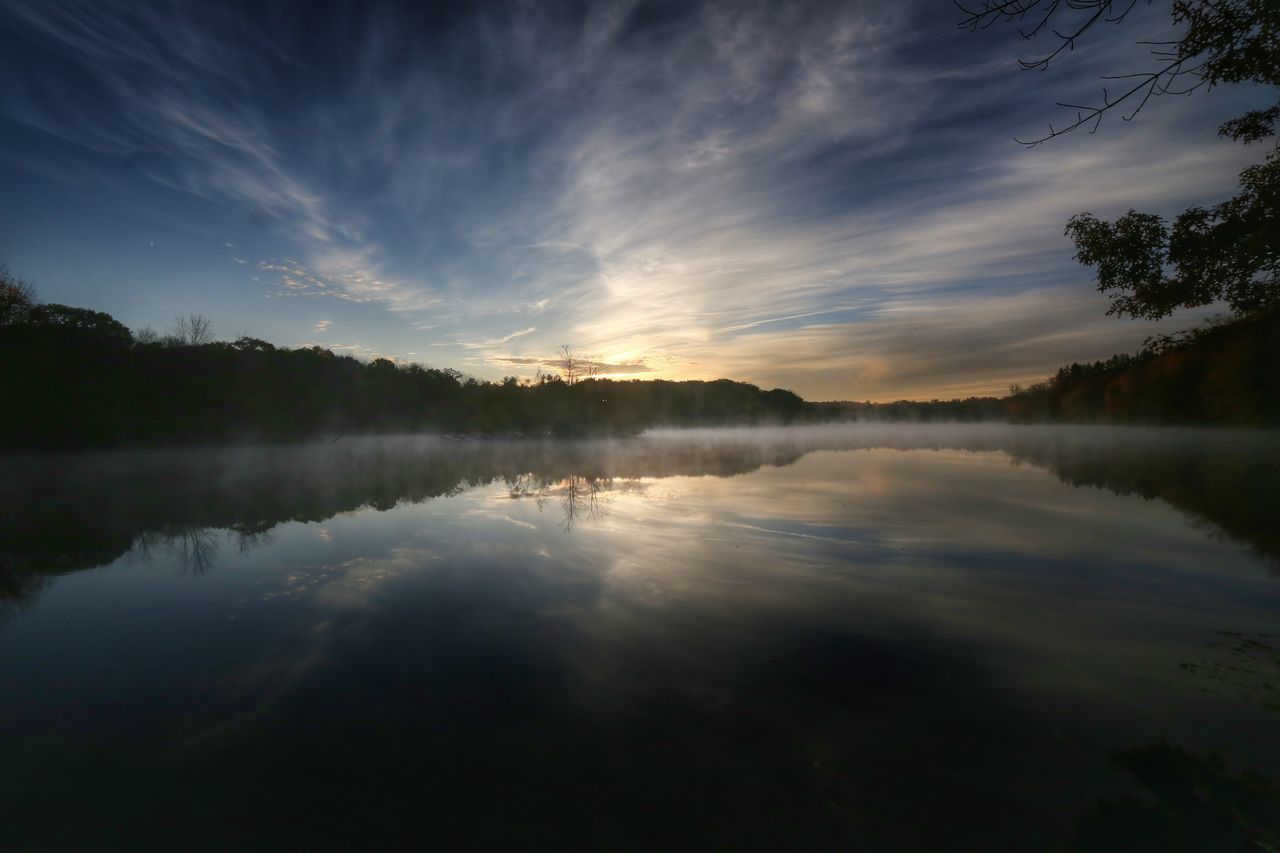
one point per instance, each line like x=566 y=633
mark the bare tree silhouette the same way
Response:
x=570 y=364
x=192 y=330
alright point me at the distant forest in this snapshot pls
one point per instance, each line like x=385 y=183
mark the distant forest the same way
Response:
x=73 y=377
x=1223 y=373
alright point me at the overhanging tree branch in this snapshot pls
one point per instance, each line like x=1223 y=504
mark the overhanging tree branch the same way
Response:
x=1227 y=253
x=1200 y=58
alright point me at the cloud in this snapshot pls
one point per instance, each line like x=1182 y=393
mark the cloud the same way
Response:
x=323 y=325
x=930 y=347
x=493 y=342
x=811 y=195
x=524 y=361
x=555 y=362
x=179 y=86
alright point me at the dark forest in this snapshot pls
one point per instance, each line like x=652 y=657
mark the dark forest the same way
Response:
x=79 y=378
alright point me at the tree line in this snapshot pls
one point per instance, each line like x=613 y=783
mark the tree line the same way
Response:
x=1227 y=253
x=1221 y=373
x=74 y=377
x=79 y=378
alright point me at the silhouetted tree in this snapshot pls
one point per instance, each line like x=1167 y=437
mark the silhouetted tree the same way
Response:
x=1223 y=41
x=570 y=365
x=247 y=344
x=75 y=377
x=88 y=327
x=1222 y=372
x=17 y=298
x=192 y=330
x=1228 y=252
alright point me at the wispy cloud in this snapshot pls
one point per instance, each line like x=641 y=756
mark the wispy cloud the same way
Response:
x=492 y=343
x=556 y=363
x=178 y=84
x=820 y=196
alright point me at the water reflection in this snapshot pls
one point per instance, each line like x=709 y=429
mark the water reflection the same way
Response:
x=1194 y=803
x=894 y=639
x=66 y=513
x=578 y=496
x=1240 y=667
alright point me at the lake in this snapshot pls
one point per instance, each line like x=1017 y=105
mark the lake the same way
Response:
x=892 y=637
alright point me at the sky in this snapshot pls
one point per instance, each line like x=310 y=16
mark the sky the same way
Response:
x=825 y=197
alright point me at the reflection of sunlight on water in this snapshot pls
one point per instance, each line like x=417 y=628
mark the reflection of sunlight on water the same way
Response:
x=984 y=620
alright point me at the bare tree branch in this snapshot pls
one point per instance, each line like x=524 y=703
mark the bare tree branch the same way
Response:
x=193 y=330
x=1158 y=82
x=1186 y=64
x=571 y=366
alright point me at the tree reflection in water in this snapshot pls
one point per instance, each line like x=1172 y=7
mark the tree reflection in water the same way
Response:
x=193 y=548
x=581 y=497
x=1192 y=801
x=65 y=512
x=1194 y=804
x=800 y=682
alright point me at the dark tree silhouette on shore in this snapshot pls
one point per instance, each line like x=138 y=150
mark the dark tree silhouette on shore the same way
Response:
x=78 y=378
x=17 y=297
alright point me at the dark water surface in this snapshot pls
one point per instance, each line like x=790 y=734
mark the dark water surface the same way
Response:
x=875 y=638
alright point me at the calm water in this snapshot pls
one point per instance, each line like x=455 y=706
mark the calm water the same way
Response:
x=872 y=638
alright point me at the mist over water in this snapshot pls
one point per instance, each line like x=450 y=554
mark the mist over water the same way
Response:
x=870 y=637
